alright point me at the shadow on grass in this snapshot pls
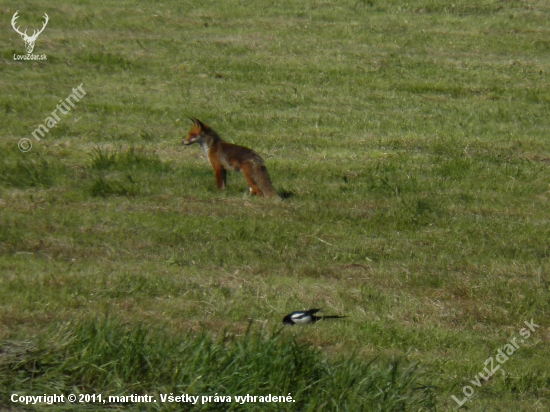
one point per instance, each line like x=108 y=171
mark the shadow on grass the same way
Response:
x=286 y=194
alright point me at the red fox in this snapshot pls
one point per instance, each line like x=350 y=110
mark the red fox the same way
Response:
x=225 y=156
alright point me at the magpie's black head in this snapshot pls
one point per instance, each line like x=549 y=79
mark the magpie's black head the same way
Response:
x=287 y=320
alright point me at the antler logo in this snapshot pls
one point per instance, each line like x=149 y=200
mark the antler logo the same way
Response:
x=29 y=40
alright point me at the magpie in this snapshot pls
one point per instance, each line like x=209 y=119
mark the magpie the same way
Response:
x=305 y=317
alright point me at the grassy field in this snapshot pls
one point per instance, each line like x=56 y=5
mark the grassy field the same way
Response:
x=409 y=139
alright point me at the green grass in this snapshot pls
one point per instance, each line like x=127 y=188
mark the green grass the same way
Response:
x=409 y=139
x=107 y=355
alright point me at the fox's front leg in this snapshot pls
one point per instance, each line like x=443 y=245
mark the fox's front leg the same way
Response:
x=221 y=177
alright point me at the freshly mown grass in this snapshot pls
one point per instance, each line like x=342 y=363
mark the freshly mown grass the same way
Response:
x=410 y=142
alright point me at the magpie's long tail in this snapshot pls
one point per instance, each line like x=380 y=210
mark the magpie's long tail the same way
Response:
x=331 y=317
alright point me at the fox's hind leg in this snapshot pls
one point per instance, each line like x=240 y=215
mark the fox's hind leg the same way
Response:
x=248 y=172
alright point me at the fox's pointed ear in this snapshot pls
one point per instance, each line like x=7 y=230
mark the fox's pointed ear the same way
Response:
x=193 y=119
x=201 y=124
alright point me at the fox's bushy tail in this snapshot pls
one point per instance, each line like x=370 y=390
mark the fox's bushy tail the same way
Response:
x=258 y=179
x=263 y=181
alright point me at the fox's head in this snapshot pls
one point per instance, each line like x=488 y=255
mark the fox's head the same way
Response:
x=197 y=132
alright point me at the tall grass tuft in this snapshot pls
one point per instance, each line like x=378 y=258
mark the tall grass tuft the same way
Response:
x=103 y=187
x=28 y=172
x=104 y=356
x=129 y=159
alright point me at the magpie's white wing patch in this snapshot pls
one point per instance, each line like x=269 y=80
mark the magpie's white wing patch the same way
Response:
x=301 y=317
